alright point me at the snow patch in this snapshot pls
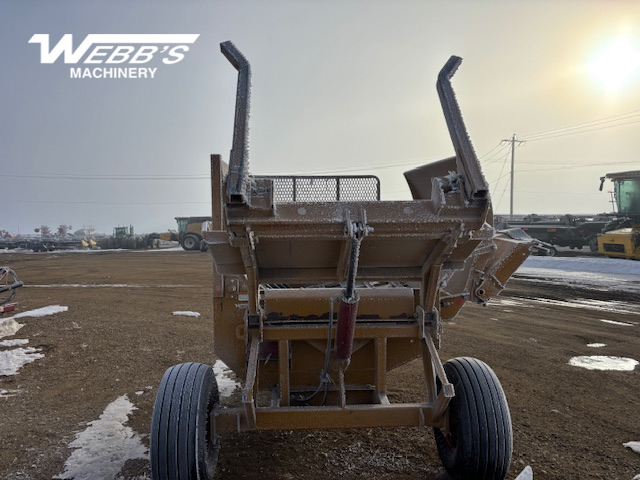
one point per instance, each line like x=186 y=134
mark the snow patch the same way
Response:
x=224 y=376
x=104 y=447
x=594 y=273
x=9 y=327
x=13 y=360
x=14 y=343
x=613 y=322
x=596 y=345
x=526 y=474
x=601 y=362
x=186 y=313
x=635 y=446
x=507 y=302
x=604 y=306
x=42 y=312
x=8 y=393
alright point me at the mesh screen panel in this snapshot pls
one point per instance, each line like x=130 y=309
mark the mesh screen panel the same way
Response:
x=325 y=189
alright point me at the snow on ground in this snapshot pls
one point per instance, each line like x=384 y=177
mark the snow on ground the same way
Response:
x=592 y=273
x=14 y=343
x=174 y=248
x=12 y=360
x=602 y=362
x=186 y=313
x=9 y=326
x=591 y=304
x=635 y=446
x=42 y=312
x=588 y=272
x=526 y=474
x=102 y=449
x=225 y=378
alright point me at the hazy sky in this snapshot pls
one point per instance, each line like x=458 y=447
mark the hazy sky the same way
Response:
x=338 y=87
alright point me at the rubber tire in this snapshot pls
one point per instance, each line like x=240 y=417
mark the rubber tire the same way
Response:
x=190 y=242
x=480 y=443
x=180 y=446
x=552 y=252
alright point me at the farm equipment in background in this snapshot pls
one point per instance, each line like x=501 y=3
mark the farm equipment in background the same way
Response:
x=621 y=238
x=316 y=299
x=562 y=231
x=8 y=284
x=189 y=233
x=124 y=237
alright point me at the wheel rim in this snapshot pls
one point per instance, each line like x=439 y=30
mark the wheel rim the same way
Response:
x=189 y=243
x=450 y=434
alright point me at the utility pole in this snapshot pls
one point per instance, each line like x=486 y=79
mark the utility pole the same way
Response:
x=512 y=141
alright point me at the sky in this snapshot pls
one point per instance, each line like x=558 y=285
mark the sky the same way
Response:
x=338 y=87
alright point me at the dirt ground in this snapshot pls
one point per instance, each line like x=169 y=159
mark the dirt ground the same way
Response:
x=569 y=422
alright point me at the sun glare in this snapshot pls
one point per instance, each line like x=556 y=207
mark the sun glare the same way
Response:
x=615 y=63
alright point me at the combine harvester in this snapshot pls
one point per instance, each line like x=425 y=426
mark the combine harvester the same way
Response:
x=189 y=234
x=621 y=238
x=320 y=289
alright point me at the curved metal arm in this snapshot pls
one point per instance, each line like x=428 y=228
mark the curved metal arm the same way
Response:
x=467 y=162
x=239 y=158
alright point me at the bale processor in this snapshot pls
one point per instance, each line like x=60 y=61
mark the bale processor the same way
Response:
x=321 y=289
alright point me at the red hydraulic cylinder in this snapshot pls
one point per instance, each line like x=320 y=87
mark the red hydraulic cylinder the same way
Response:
x=346 y=327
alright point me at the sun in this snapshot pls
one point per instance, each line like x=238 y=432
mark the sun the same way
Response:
x=615 y=63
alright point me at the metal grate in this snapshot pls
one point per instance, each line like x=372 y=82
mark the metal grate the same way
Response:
x=325 y=188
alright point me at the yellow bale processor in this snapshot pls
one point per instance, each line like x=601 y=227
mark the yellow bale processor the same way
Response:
x=320 y=289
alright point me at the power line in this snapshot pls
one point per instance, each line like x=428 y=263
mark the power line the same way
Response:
x=496 y=157
x=582 y=131
x=575 y=163
x=500 y=176
x=612 y=118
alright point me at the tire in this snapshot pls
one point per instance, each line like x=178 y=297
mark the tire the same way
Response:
x=593 y=244
x=190 y=242
x=480 y=439
x=180 y=446
x=552 y=252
